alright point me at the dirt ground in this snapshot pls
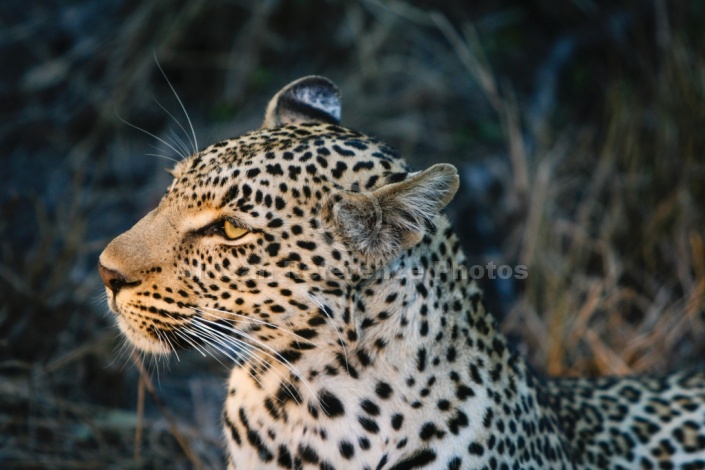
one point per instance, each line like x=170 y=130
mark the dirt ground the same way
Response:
x=577 y=128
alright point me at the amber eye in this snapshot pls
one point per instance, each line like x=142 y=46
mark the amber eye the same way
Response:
x=233 y=232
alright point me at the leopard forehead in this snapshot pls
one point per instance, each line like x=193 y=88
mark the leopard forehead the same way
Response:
x=293 y=161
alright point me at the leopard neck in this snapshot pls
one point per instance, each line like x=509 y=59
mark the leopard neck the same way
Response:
x=427 y=303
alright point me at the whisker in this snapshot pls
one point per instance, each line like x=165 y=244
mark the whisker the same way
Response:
x=185 y=150
x=208 y=337
x=163 y=336
x=159 y=155
x=195 y=141
x=208 y=342
x=191 y=343
x=124 y=351
x=262 y=347
x=259 y=322
x=148 y=133
x=178 y=140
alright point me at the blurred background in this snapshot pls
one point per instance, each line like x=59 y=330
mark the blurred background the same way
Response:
x=577 y=127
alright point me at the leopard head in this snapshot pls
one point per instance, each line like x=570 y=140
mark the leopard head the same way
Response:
x=261 y=239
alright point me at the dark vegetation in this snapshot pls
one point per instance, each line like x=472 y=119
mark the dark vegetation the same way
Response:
x=577 y=127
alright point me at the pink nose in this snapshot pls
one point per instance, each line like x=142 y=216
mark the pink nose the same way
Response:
x=113 y=280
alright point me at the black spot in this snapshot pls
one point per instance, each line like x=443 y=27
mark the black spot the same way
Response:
x=347 y=450
x=382 y=462
x=339 y=169
x=476 y=449
x=396 y=178
x=460 y=420
x=284 y=458
x=418 y=460
x=464 y=392
x=307 y=454
x=487 y=419
x=330 y=404
x=368 y=165
x=370 y=407
x=273 y=249
x=271 y=408
x=397 y=420
x=421 y=360
x=383 y=390
x=275 y=169
x=242 y=271
x=233 y=430
x=443 y=405
x=454 y=463
x=255 y=439
x=306 y=333
x=343 y=152
x=230 y=194
x=364 y=358
x=368 y=424
x=371 y=181
x=275 y=223
x=475 y=374
x=306 y=245
x=294 y=172
x=428 y=430
x=288 y=356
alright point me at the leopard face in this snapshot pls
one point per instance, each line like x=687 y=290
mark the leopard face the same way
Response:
x=259 y=237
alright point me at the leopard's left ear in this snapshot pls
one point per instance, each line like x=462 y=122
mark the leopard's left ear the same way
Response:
x=395 y=217
x=308 y=99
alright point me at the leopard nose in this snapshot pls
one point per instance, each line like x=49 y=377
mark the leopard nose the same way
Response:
x=114 y=280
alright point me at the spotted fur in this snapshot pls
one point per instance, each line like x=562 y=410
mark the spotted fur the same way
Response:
x=357 y=342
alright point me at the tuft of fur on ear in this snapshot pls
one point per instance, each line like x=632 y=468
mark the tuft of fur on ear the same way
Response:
x=395 y=217
x=308 y=99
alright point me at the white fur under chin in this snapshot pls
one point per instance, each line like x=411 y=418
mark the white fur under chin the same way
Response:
x=140 y=341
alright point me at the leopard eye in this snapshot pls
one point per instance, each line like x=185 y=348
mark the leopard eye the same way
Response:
x=232 y=231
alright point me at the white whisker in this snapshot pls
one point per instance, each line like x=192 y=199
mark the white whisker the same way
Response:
x=257 y=345
x=159 y=155
x=179 y=141
x=165 y=338
x=259 y=322
x=208 y=336
x=195 y=141
x=148 y=133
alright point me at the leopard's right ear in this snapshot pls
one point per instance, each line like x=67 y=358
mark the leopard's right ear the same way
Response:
x=308 y=99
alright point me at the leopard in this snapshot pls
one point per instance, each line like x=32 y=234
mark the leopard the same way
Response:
x=324 y=268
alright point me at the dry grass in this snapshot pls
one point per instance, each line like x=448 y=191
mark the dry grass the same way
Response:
x=583 y=122
x=614 y=232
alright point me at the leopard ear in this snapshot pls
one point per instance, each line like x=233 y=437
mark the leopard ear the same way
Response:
x=394 y=217
x=308 y=99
